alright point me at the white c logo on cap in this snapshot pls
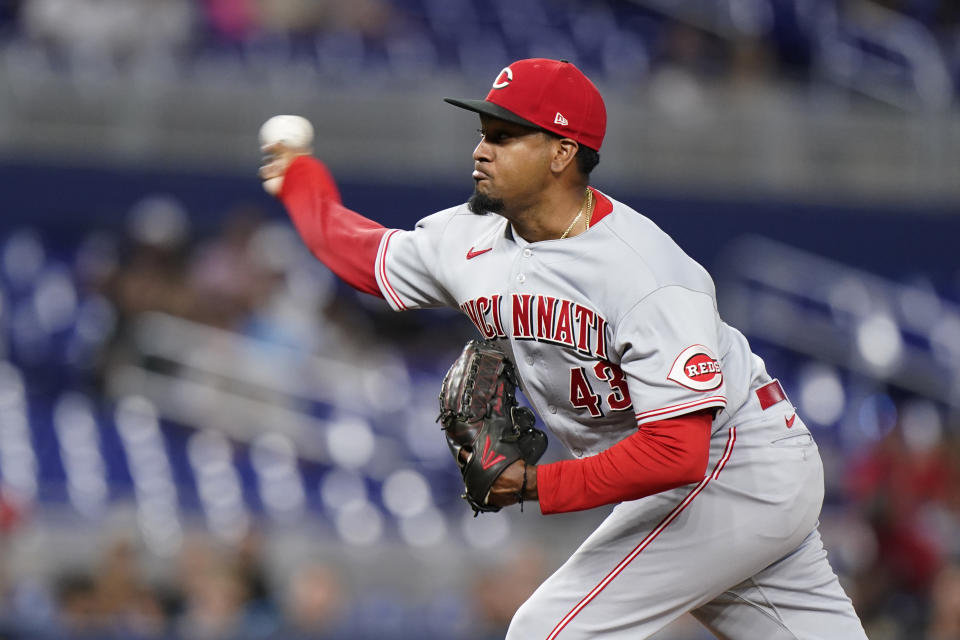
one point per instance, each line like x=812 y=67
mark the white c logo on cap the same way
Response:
x=502 y=81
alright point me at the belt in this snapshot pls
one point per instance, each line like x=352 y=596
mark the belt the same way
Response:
x=770 y=394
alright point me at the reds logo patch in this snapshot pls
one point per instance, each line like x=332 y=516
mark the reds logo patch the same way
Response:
x=696 y=368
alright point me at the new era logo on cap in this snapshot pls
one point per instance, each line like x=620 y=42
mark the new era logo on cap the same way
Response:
x=546 y=94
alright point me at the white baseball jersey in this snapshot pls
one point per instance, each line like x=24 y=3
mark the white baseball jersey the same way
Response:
x=611 y=329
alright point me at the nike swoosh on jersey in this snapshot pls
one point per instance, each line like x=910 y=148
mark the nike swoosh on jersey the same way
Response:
x=790 y=420
x=471 y=254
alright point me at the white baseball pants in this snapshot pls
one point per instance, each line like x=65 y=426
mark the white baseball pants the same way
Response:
x=740 y=551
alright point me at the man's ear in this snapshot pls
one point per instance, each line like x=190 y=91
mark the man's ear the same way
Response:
x=565 y=152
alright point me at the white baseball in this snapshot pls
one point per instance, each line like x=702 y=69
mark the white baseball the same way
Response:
x=295 y=132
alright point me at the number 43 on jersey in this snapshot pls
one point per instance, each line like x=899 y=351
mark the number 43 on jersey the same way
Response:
x=582 y=395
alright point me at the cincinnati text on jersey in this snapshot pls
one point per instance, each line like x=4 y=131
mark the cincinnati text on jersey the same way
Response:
x=541 y=318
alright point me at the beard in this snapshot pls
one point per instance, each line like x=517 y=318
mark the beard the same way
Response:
x=480 y=203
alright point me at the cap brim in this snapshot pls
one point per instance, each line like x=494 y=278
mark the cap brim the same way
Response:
x=490 y=109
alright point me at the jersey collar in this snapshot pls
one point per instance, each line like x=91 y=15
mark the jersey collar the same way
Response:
x=601 y=208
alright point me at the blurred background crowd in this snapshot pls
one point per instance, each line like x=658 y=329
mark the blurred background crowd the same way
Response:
x=912 y=42
x=205 y=436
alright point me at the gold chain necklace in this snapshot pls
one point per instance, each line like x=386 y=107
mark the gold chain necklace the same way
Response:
x=588 y=207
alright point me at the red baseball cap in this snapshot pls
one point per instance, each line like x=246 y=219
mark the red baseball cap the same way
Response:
x=546 y=94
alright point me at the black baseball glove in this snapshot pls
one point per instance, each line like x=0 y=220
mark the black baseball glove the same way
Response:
x=479 y=412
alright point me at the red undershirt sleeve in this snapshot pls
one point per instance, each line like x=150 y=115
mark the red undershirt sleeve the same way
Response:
x=342 y=239
x=661 y=455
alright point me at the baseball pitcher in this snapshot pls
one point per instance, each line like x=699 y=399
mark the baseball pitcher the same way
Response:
x=612 y=333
